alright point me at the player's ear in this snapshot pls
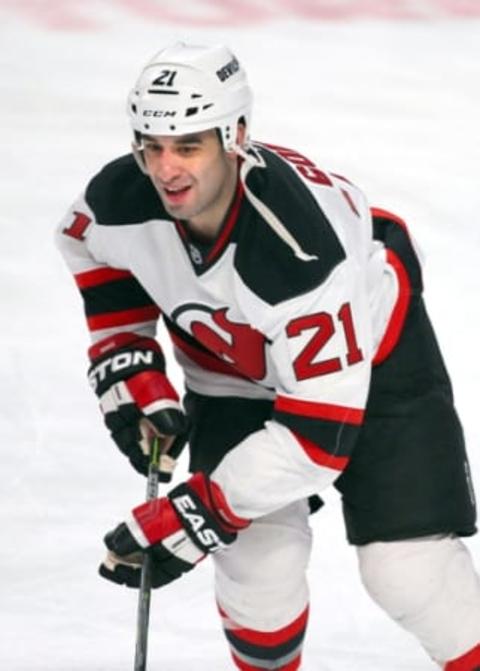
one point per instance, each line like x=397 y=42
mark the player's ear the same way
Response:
x=240 y=139
x=241 y=133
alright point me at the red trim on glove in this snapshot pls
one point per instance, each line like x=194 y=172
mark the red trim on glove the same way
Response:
x=470 y=661
x=157 y=519
x=150 y=386
x=123 y=339
x=214 y=499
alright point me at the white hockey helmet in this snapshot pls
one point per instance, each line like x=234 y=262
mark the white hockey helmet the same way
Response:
x=187 y=89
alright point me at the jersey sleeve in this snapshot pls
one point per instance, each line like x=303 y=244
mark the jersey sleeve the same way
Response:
x=321 y=349
x=113 y=299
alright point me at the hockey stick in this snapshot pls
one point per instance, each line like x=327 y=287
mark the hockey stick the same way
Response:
x=144 y=595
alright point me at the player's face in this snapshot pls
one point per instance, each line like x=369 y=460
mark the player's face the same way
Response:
x=194 y=177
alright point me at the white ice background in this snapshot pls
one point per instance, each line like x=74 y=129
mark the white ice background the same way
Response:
x=394 y=106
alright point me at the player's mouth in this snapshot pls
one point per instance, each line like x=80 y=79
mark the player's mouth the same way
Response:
x=176 y=195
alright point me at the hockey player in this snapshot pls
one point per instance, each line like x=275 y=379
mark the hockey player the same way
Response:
x=297 y=316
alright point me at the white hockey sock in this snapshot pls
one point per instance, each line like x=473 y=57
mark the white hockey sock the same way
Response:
x=430 y=587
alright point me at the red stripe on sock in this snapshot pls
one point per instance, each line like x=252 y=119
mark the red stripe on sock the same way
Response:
x=267 y=638
x=470 y=661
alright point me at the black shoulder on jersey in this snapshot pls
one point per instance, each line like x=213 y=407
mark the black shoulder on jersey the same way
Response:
x=393 y=232
x=121 y=194
x=264 y=261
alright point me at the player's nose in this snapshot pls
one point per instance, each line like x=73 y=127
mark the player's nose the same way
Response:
x=167 y=168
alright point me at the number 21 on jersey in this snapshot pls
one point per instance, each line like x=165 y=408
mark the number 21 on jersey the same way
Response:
x=309 y=362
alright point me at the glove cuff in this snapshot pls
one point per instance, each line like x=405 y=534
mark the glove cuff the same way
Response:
x=120 y=357
x=122 y=340
x=213 y=497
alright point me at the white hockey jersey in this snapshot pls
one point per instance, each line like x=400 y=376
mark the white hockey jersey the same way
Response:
x=247 y=317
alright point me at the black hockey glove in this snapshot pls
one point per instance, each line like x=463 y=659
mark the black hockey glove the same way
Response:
x=136 y=397
x=178 y=531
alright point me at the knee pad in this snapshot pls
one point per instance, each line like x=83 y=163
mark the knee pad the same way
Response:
x=429 y=587
x=260 y=580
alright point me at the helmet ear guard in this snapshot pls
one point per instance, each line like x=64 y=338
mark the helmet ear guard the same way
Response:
x=137 y=151
x=188 y=89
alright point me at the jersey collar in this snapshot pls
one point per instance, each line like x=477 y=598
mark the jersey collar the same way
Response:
x=204 y=255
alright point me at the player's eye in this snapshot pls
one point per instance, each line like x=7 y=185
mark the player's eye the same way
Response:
x=152 y=148
x=187 y=149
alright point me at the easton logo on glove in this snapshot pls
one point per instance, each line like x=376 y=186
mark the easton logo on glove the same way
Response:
x=206 y=536
x=130 y=359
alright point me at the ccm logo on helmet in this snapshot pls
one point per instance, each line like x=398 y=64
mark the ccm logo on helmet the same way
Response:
x=160 y=113
x=228 y=70
x=118 y=362
x=207 y=537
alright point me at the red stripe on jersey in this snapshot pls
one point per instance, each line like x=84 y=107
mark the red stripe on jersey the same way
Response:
x=293 y=665
x=385 y=214
x=180 y=230
x=470 y=661
x=91 y=278
x=350 y=202
x=267 y=638
x=229 y=224
x=150 y=386
x=399 y=312
x=204 y=359
x=335 y=413
x=122 y=317
x=344 y=179
x=320 y=456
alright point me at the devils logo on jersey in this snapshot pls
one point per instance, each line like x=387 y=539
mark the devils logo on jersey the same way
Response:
x=238 y=344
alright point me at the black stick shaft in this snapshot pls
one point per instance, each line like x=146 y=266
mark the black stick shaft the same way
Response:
x=144 y=596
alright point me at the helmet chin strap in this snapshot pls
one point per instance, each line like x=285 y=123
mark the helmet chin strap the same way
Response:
x=253 y=159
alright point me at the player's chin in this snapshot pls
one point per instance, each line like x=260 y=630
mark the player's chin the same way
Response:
x=178 y=207
x=178 y=211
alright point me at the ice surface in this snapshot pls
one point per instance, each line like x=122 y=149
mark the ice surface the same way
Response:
x=392 y=105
